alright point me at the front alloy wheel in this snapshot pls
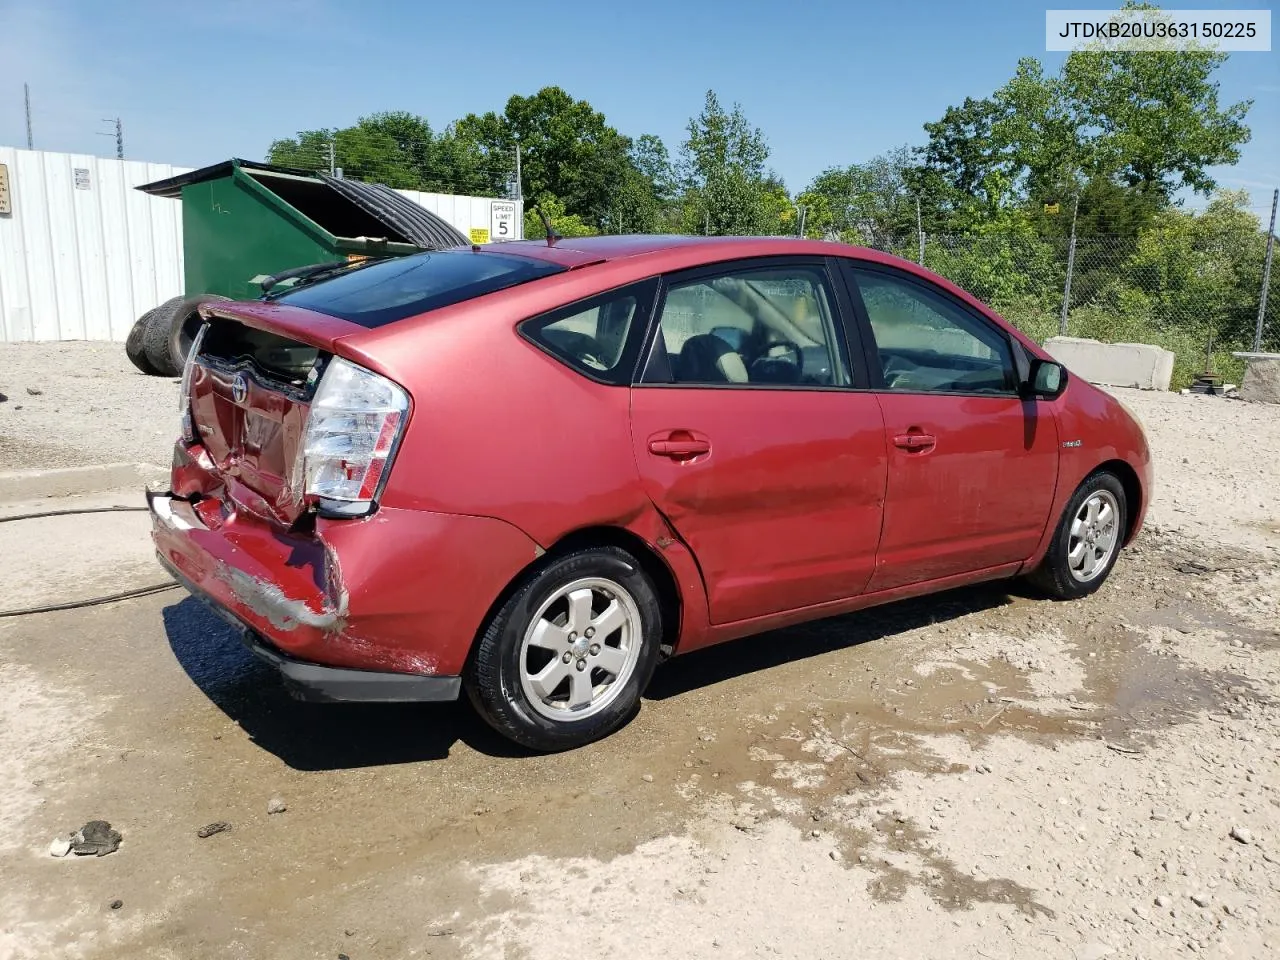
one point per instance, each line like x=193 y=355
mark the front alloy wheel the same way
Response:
x=1094 y=535
x=1087 y=539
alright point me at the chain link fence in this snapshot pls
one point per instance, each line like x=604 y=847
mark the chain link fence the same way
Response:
x=1199 y=301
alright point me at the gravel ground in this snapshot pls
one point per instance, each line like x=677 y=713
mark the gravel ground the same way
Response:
x=79 y=403
x=979 y=774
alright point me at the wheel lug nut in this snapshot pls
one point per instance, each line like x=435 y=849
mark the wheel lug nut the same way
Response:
x=595 y=649
x=582 y=664
x=568 y=657
x=573 y=636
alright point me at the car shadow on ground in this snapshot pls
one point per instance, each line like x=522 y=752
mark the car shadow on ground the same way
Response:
x=316 y=736
x=320 y=736
x=703 y=668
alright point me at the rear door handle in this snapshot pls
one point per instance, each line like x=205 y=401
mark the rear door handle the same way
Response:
x=915 y=441
x=679 y=449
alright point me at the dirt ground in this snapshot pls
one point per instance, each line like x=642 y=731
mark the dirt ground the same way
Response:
x=978 y=774
x=79 y=403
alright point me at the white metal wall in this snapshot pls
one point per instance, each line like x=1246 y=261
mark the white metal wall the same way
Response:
x=82 y=259
x=83 y=263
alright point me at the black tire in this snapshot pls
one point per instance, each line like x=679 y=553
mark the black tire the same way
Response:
x=169 y=333
x=492 y=677
x=135 y=344
x=155 y=338
x=1054 y=575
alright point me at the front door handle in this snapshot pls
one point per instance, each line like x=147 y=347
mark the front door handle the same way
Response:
x=679 y=449
x=915 y=441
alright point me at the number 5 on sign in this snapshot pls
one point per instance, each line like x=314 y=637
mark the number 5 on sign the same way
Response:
x=502 y=220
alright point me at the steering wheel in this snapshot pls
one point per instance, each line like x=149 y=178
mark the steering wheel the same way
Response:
x=782 y=361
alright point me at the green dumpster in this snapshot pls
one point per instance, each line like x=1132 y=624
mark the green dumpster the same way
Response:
x=244 y=221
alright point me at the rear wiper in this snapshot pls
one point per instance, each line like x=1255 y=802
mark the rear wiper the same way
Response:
x=311 y=273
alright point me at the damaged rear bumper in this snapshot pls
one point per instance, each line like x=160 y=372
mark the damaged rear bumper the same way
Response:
x=317 y=682
x=278 y=590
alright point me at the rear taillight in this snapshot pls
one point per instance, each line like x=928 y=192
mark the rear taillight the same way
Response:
x=184 y=392
x=355 y=422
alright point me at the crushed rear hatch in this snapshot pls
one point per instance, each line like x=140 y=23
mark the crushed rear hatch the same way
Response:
x=250 y=392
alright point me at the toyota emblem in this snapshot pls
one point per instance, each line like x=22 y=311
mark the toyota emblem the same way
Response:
x=239 y=388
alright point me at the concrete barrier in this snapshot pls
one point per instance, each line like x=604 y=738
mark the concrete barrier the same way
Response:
x=1261 y=381
x=1114 y=364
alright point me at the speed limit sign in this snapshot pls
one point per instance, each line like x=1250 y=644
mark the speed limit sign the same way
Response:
x=502 y=220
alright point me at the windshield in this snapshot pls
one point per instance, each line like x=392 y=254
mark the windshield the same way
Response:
x=391 y=290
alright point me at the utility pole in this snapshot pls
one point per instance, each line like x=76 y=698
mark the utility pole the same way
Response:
x=706 y=223
x=333 y=160
x=119 y=136
x=803 y=211
x=519 y=181
x=919 y=232
x=1266 y=274
x=26 y=96
x=1071 y=265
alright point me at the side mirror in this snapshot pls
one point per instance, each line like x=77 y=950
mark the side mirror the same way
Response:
x=1046 y=380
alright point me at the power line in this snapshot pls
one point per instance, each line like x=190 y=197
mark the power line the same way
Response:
x=119 y=135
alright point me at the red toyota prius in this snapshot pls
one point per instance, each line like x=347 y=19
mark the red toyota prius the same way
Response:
x=533 y=470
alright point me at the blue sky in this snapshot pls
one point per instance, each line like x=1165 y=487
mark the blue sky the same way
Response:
x=829 y=82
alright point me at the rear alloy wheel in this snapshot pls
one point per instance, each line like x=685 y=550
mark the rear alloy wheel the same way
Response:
x=565 y=659
x=1087 y=541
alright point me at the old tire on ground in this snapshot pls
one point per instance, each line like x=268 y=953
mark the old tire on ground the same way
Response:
x=564 y=660
x=155 y=338
x=171 y=329
x=1087 y=540
x=135 y=344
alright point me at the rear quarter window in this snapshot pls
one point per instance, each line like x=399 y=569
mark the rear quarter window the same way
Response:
x=392 y=290
x=599 y=337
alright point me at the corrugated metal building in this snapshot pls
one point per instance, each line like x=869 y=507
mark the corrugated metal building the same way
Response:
x=83 y=254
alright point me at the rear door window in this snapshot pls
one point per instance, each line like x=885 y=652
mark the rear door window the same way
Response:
x=390 y=290
x=750 y=327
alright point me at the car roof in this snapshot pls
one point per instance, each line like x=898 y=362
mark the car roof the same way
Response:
x=574 y=252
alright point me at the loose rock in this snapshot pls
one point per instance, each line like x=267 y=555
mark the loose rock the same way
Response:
x=1200 y=899
x=276 y=805
x=95 y=839
x=1241 y=835
x=116 y=904
x=208 y=830
x=647 y=778
x=60 y=846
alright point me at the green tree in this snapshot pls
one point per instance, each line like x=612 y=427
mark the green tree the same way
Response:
x=564 y=224
x=865 y=203
x=727 y=190
x=1121 y=132
x=397 y=149
x=568 y=149
x=644 y=195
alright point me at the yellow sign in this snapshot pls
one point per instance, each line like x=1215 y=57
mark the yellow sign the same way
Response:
x=479 y=235
x=1050 y=208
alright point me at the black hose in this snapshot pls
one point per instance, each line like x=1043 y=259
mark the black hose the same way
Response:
x=92 y=601
x=68 y=513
